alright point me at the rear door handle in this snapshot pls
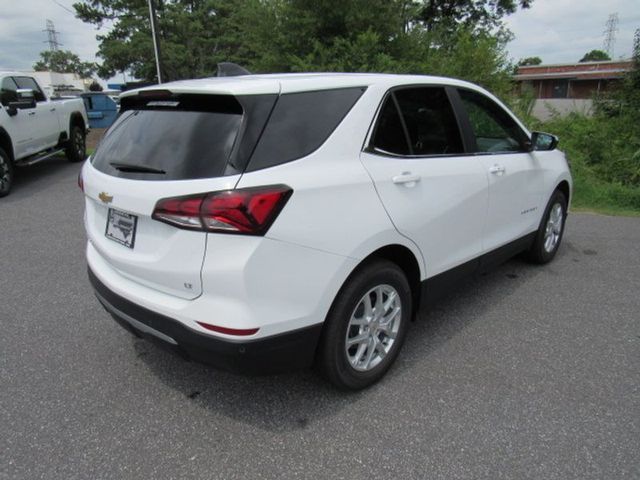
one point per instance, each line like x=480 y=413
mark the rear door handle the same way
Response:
x=31 y=114
x=406 y=177
x=497 y=169
x=52 y=110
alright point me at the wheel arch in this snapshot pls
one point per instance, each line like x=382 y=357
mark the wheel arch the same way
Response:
x=5 y=144
x=564 y=187
x=76 y=119
x=408 y=263
x=403 y=256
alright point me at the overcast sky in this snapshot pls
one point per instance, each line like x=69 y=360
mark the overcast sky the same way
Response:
x=555 y=30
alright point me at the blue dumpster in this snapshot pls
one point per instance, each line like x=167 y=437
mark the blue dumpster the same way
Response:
x=101 y=109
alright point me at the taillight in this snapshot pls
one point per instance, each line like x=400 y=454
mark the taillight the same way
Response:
x=249 y=211
x=80 y=181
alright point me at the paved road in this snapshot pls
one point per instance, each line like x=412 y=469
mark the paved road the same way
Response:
x=527 y=373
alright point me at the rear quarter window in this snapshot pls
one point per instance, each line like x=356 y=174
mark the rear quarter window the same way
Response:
x=300 y=123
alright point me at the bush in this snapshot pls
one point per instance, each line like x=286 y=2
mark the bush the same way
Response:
x=605 y=159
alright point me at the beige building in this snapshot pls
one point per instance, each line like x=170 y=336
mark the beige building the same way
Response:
x=60 y=84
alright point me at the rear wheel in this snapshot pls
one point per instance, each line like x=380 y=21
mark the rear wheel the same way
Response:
x=366 y=326
x=550 y=231
x=6 y=174
x=76 y=146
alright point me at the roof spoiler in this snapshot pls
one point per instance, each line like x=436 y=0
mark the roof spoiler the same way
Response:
x=228 y=69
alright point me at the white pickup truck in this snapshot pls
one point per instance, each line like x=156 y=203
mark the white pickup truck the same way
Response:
x=34 y=127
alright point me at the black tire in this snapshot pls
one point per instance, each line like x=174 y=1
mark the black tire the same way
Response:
x=6 y=174
x=333 y=357
x=76 y=150
x=540 y=252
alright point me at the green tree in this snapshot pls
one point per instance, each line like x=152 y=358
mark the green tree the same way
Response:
x=303 y=35
x=194 y=34
x=64 y=61
x=525 y=62
x=95 y=87
x=474 y=14
x=595 y=56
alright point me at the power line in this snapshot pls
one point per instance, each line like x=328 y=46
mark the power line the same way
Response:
x=63 y=6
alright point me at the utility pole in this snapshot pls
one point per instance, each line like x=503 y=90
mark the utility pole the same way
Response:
x=156 y=40
x=52 y=36
x=611 y=28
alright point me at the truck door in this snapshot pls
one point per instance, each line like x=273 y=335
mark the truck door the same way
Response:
x=18 y=126
x=45 y=121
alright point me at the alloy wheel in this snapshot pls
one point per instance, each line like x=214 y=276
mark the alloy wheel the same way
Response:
x=554 y=228
x=373 y=328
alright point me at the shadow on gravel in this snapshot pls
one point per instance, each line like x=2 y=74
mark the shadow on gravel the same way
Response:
x=290 y=402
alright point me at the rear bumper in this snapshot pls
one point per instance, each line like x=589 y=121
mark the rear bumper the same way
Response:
x=278 y=353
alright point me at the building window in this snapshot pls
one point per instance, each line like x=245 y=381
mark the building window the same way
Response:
x=560 y=89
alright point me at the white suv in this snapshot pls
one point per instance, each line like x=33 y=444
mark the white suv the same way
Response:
x=268 y=222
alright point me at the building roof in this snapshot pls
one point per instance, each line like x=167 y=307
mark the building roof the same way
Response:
x=611 y=69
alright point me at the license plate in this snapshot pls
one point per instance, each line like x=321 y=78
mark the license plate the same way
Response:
x=121 y=227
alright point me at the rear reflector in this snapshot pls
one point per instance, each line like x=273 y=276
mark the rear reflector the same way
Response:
x=229 y=331
x=248 y=211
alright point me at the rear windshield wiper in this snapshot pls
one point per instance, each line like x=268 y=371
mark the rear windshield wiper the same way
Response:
x=130 y=168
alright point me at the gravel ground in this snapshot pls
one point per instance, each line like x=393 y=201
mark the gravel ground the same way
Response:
x=525 y=373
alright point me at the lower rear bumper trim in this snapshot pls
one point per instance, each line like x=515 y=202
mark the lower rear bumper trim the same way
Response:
x=278 y=353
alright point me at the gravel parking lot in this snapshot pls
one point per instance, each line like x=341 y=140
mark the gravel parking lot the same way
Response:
x=527 y=372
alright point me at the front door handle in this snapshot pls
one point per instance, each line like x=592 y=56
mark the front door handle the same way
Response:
x=497 y=169
x=406 y=178
x=31 y=114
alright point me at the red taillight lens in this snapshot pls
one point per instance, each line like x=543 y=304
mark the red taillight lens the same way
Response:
x=249 y=211
x=183 y=212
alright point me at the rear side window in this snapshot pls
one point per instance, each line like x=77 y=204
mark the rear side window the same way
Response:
x=430 y=121
x=427 y=116
x=174 y=139
x=30 y=83
x=389 y=135
x=494 y=129
x=300 y=123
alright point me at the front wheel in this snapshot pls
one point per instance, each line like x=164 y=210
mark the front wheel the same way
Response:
x=76 y=145
x=551 y=229
x=366 y=326
x=6 y=174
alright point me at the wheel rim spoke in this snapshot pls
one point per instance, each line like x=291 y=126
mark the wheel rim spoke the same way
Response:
x=373 y=327
x=363 y=337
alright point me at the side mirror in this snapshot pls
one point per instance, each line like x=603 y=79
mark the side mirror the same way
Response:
x=26 y=99
x=543 y=141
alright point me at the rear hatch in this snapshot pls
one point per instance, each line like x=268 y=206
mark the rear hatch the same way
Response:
x=163 y=145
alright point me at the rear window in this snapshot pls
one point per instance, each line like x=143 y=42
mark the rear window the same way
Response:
x=300 y=123
x=174 y=138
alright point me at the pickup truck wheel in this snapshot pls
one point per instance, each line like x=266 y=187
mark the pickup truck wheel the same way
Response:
x=366 y=326
x=551 y=229
x=76 y=146
x=6 y=174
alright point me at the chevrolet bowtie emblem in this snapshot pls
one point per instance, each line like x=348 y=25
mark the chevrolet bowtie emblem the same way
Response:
x=105 y=197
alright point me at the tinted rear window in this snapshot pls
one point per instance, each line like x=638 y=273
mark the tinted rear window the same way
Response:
x=185 y=138
x=300 y=123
